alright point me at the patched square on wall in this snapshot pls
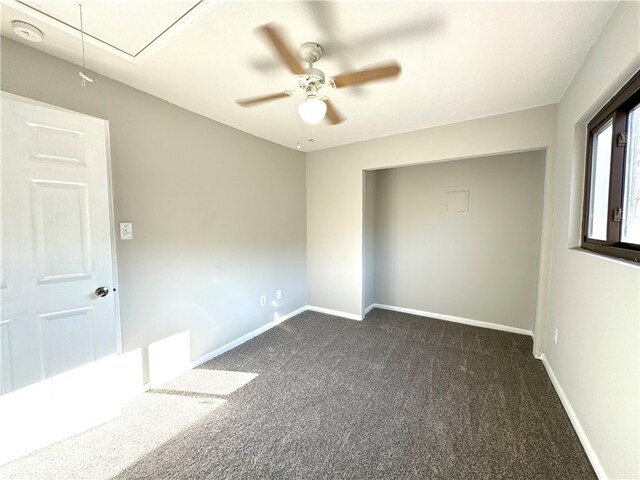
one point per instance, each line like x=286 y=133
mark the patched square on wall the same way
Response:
x=457 y=200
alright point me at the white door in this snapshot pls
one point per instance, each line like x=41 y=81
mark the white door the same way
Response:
x=58 y=336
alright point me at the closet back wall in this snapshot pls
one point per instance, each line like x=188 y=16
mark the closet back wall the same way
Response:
x=219 y=216
x=482 y=265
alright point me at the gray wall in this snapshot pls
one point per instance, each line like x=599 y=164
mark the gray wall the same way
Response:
x=335 y=200
x=369 y=237
x=218 y=215
x=595 y=301
x=482 y=265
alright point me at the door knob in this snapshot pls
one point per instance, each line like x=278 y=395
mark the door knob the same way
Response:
x=102 y=292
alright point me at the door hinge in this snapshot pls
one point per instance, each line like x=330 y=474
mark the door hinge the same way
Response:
x=621 y=139
x=617 y=214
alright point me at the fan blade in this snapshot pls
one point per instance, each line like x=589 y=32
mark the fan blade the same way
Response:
x=248 y=102
x=332 y=117
x=364 y=76
x=274 y=36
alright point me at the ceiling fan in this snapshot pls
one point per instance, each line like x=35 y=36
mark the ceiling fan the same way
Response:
x=312 y=81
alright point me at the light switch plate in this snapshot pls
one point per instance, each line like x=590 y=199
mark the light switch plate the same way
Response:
x=126 y=231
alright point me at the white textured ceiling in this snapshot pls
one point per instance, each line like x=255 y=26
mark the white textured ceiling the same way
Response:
x=127 y=26
x=460 y=60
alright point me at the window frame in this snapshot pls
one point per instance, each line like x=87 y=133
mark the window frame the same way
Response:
x=616 y=109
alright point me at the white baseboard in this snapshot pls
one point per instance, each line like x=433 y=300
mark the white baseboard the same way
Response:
x=577 y=426
x=453 y=318
x=337 y=313
x=244 y=338
x=264 y=328
x=144 y=388
x=351 y=316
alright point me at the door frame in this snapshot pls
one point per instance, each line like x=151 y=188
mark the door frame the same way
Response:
x=112 y=225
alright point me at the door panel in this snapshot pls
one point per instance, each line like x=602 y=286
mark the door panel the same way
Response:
x=61 y=230
x=56 y=144
x=6 y=377
x=68 y=339
x=56 y=250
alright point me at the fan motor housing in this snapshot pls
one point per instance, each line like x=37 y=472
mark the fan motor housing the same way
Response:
x=310 y=52
x=314 y=75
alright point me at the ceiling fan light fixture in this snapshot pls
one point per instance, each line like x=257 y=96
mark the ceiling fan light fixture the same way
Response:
x=312 y=80
x=312 y=110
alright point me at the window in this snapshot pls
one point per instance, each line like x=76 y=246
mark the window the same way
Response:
x=611 y=219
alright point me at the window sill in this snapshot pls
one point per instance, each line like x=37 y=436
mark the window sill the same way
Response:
x=619 y=261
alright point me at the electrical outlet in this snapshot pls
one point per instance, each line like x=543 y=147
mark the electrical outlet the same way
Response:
x=555 y=336
x=278 y=294
x=263 y=300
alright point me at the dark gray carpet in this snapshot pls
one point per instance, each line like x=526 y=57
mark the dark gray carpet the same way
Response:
x=395 y=396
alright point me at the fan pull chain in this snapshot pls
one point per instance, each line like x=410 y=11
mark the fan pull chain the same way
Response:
x=300 y=123
x=310 y=140
x=83 y=75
